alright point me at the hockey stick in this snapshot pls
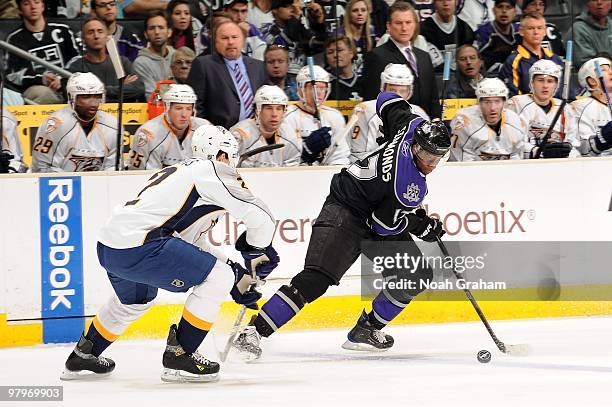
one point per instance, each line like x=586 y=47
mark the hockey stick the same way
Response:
x=445 y=78
x=515 y=350
x=602 y=83
x=317 y=114
x=113 y=54
x=566 y=86
x=258 y=150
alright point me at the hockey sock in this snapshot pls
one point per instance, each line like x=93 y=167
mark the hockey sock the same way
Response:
x=99 y=337
x=191 y=331
x=384 y=310
x=279 y=310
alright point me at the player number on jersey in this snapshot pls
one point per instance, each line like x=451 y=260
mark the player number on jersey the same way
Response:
x=156 y=179
x=42 y=145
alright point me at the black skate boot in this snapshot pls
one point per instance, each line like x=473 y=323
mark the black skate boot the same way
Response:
x=367 y=338
x=82 y=364
x=248 y=343
x=182 y=367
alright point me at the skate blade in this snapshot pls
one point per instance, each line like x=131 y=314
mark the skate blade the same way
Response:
x=179 y=376
x=362 y=347
x=82 y=375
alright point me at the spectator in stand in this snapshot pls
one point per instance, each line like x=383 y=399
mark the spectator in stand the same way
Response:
x=137 y=9
x=515 y=71
x=464 y=82
x=254 y=46
x=593 y=31
x=226 y=81
x=53 y=42
x=474 y=12
x=445 y=32
x=423 y=8
x=553 y=40
x=129 y=42
x=153 y=62
x=260 y=13
x=217 y=17
x=498 y=38
x=288 y=31
x=97 y=61
x=179 y=16
x=276 y=59
x=403 y=27
x=333 y=16
x=358 y=29
x=181 y=64
x=345 y=84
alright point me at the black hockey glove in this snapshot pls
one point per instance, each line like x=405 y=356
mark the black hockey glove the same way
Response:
x=248 y=298
x=5 y=161
x=314 y=145
x=266 y=259
x=556 y=150
x=603 y=141
x=424 y=227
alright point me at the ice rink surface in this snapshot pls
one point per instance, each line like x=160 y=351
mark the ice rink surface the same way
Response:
x=570 y=364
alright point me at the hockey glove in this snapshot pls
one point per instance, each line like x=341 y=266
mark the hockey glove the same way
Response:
x=424 y=227
x=249 y=297
x=314 y=145
x=603 y=141
x=5 y=161
x=556 y=150
x=265 y=260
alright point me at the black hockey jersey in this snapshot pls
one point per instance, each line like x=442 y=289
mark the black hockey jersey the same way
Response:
x=386 y=185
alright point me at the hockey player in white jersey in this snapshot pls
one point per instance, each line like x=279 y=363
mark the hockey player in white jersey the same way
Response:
x=396 y=78
x=11 y=157
x=487 y=130
x=593 y=112
x=79 y=137
x=148 y=243
x=317 y=138
x=266 y=129
x=166 y=139
x=538 y=110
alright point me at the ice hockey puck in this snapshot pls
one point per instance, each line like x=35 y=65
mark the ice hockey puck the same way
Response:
x=484 y=356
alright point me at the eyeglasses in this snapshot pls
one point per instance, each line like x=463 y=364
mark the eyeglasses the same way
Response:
x=110 y=4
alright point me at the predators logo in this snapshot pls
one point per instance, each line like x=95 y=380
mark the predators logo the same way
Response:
x=143 y=137
x=86 y=163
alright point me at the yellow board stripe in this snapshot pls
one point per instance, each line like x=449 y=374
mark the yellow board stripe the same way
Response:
x=106 y=334
x=195 y=321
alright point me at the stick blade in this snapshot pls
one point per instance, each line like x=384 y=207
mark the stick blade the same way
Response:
x=518 y=350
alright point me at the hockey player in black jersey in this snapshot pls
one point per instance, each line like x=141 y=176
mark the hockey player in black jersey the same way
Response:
x=375 y=199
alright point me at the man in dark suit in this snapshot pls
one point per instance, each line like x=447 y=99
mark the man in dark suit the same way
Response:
x=226 y=81
x=403 y=28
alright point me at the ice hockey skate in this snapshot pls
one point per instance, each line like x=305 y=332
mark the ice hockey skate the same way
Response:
x=248 y=343
x=182 y=367
x=82 y=364
x=364 y=337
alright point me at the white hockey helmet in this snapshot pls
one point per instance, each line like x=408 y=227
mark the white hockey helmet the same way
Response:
x=208 y=140
x=84 y=83
x=588 y=70
x=177 y=93
x=320 y=75
x=490 y=88
x=545 y=67
x=396 y=74
x=270 y=95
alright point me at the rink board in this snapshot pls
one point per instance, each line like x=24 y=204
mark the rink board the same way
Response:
x=564 y=200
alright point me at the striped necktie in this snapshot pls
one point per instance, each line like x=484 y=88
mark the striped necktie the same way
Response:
x=412 y=61
x=244 y=88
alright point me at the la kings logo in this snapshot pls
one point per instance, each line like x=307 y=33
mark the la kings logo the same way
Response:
x=412 y=193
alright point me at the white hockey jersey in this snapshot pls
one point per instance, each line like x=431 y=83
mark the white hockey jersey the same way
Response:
x=10 y=141
x=591 y=116
x=366 y=130
x=538 y=122
x=185 y=200
x=473 y=140
x=155 y=145
x=249 y=137
x=61 y=144
x=299 y=123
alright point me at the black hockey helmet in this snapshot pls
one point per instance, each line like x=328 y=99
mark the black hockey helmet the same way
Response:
x=432 y=137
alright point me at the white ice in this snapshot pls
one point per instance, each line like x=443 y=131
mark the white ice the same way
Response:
x=430 y=365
